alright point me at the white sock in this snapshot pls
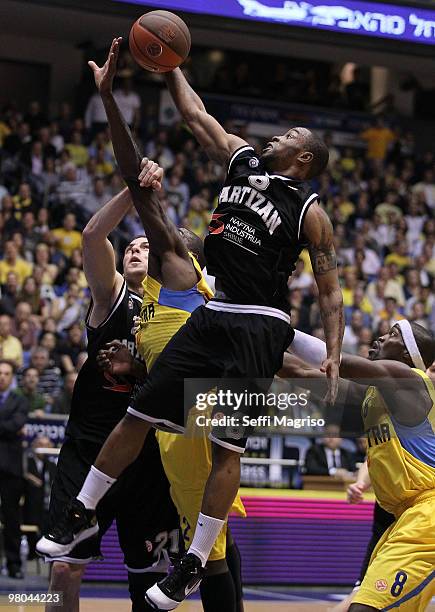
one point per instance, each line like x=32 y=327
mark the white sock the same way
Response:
x=94 y=488
x=206 y=533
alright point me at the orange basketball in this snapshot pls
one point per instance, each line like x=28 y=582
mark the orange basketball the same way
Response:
x=159 y=41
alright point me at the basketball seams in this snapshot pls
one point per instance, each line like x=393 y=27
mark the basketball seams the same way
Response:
x=147 y=60
x=165 y=16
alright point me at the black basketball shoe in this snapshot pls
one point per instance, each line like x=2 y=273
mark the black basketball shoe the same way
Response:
x=184 y=578
x=78 y=524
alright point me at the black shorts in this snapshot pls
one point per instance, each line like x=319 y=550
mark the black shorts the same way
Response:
x=139 y=502
x=245 y=348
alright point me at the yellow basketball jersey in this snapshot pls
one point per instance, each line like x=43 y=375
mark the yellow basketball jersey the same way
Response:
x=164 y=311
x=401 y=459
x=186 y=460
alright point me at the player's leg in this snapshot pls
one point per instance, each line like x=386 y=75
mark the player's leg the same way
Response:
x=187 y=463
x=234 y=561
x=66 y=578
x=159 y=401
x=248 y=351
x=147 y=522
x=67 y=571
x=382 y=520
x=401 y=574
x=217 y=588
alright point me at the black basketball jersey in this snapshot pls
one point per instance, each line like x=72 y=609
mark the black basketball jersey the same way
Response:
x=100 y=400
x=255 y=235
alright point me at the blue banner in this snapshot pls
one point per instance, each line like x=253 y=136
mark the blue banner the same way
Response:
x=49 y=426
x=366 y=18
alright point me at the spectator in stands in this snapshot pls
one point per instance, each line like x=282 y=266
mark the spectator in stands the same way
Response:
x=70 y=308
x=29 y=390
x=67 y=237
x=327 y=458
x=378 y=138
x=77 y=150
x=426 y=187
x=158 y=150
x=71 y=347
x=23 y=200
x=50 y=380
x=30 y=293
x=97 y=198
x=399 y=255
x=300 y=279
x=418 y=314
x=10 y=347
x=72 y=189
x=62 y=404
x=13 y=415
x=13 y=263
x=30 y=235
x=390 y=313
x=129 y=103
x=39 y=471
x=42 y=259
x=35 y=116
x=23 y=314
x=352 y=332
x=9 y=294
x=95 y=115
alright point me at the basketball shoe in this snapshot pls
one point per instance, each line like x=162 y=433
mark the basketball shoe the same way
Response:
x=183 y=579
x=77 y=524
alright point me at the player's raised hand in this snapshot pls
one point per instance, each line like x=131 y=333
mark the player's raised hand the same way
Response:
x=104 y=76
x=151 y=174
x=331 y=367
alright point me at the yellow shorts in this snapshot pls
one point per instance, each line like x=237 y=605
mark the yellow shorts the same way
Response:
x=187 y=463
x=401 y=573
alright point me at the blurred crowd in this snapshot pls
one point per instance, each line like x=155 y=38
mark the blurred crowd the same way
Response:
x=55 y=172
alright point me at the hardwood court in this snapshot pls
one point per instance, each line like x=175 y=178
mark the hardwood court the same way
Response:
x=122 y=605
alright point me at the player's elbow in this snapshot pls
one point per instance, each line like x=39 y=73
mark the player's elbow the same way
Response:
x=91 y=234
x=290 y=367
x=331 y=292
x=194 y=116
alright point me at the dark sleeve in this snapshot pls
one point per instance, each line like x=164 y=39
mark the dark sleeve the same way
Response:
x=315 y=465
x=12 y=423
x=239 y=162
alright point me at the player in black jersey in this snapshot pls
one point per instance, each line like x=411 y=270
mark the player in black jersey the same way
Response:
x=140 y=501
x=266 y=215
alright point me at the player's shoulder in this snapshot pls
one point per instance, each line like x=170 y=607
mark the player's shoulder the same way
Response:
x=242 y=158
x=134 y=299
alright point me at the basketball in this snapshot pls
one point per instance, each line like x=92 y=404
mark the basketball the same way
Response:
x=159 y=41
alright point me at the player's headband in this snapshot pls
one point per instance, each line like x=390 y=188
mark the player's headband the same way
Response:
x=411 y=344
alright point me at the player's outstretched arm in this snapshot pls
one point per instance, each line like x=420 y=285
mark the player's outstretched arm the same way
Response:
x=98 y=254
x=165 y=241
x=318 y=231
x=126 y=152
x=350 y=394
x=217 y=143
